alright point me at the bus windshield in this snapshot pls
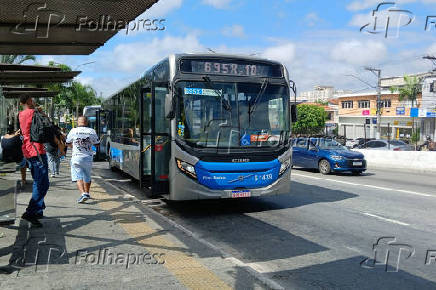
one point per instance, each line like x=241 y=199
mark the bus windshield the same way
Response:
x=232 y=115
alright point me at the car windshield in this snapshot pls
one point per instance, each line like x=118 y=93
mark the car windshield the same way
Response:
x=232 y=115
x=397 y=143
x=327 y=144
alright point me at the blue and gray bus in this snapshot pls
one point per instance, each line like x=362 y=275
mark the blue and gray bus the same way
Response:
x=205 y=126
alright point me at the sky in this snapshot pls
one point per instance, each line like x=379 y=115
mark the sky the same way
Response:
x=319 y=41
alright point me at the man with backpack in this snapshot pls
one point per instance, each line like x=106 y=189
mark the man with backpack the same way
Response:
x=36 y=157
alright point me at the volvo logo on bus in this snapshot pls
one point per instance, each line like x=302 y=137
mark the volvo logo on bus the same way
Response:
x=240 y=160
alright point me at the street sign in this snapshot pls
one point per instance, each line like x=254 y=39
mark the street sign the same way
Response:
x=368 y=121
x=401 y=111
x=374 y=121
x=414 y=112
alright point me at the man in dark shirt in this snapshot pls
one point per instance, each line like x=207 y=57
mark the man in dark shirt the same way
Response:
x=37 y=160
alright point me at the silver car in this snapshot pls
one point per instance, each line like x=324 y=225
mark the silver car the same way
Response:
x=393 y=145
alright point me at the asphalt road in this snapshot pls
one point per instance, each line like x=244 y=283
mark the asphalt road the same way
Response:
x=325 y=233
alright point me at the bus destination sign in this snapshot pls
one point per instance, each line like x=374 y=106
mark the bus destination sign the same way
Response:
x=231 y=68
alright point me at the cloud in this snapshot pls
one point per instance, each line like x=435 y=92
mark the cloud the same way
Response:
x=234 y=31
x=283 y=52
x=218 y=4
x=137 y=56
x=131 y=60
x=432 y=49
x=359 y=52
x=366 y=4
x=312 y=19
x=162 y=8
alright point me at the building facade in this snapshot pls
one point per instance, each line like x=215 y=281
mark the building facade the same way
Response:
x=358 y=116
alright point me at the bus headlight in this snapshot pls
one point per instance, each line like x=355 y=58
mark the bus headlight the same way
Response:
x=186 y=168
x=285 y=165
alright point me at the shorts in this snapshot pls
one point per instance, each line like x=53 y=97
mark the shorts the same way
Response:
x=23 y=163
x=81 y=171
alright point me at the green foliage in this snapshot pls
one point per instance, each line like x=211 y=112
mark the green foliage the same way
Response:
x=74 y=95
x=416 y=135
x=16 y=59
x=410 y=90
x=311 y=119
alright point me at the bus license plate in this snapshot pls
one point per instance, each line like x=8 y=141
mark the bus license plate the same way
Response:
x=241 y=193
x=357 y=163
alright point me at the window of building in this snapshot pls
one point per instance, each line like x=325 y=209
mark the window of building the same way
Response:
x=364 y=104
x=347 y=104
x=386 y=103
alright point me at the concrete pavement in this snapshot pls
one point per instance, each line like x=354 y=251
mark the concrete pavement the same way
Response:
x=109 y=243
x=325 y=233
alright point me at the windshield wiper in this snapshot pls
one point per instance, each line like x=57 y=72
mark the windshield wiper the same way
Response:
x=219 y=94
x=253 y=105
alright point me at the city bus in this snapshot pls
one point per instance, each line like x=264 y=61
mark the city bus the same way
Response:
x=97 y=120
x=205 y=126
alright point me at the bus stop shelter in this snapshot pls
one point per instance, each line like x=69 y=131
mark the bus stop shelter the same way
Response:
x=58 y=27
x=52 y=27
x=13 y=79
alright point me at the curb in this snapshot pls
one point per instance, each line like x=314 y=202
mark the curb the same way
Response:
x=251 y=271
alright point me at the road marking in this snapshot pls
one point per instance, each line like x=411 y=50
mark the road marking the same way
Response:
x=378 y=187
x=307 y=176
x=187 y=269
x=344 y=182
x=386 y=219
x=366 y=185
x=415 y=193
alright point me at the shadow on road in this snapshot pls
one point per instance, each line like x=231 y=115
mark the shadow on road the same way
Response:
x=348 y=274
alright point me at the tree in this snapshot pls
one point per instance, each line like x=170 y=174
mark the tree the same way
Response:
x=410 y=91
x=311 y=119
x=73 y=96
x=16 y=59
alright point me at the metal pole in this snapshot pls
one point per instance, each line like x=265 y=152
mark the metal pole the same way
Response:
x=378 y=71
x=389 y=136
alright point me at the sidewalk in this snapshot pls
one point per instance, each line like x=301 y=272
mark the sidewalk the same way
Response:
x=109 y=243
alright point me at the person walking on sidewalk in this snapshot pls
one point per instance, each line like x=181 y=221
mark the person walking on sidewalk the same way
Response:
x=54 y=152
x=37 y=160
x=81 y=139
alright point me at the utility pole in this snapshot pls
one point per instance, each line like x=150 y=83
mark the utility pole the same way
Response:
x=377 y=72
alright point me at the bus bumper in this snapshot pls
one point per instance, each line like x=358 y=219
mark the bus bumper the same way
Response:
x=189 y=189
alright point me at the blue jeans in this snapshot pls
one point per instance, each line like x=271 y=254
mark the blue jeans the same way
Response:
x=41 y=184
x=53 y=162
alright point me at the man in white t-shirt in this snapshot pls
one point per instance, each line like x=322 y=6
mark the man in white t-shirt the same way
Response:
x=82 y=139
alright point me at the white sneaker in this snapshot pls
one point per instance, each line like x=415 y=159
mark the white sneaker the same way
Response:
x=53 y=176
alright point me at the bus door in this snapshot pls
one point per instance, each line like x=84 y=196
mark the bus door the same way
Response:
x=155 y=142
x=102 y=118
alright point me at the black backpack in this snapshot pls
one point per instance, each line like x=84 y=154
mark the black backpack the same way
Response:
x=12 y=149
x=41 y=130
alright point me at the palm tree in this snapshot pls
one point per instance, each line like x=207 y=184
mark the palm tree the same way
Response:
x=409 y=91
x=16 y=59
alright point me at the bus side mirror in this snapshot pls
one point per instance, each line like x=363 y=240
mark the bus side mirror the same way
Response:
x=169 y=106
x=294 y=117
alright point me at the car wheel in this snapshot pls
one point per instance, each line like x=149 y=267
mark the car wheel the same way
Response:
x=324 y=167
